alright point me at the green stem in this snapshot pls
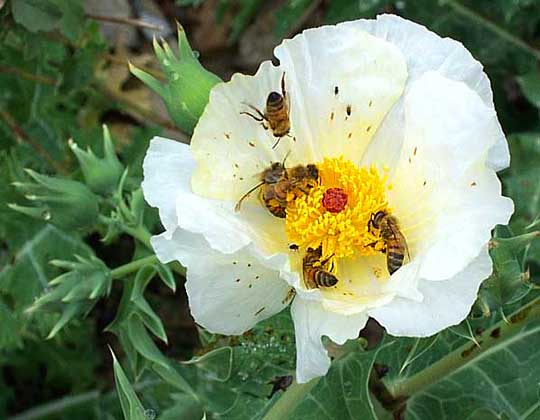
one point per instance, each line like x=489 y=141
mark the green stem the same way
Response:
x=501 y=32
x=286 y=404
x=129 y=268
x=140 y=233
x=59 y=406
x=124 y=270
x=28 y=76
x=468 y=352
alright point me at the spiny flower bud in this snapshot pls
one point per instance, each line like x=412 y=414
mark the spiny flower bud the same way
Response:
x=188 y=83
x=100 y=174
x=66 y=203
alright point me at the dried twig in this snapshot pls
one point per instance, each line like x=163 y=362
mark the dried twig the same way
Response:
x=142 y=114
x=125 y=21
x=22 y=137
x=119 y=60
x=28 y=76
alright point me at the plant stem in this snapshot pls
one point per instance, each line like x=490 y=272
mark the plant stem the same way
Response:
x=158 y=74
x=59 y=406
x=459 y=358
x=129 y=268
x=139 y=112
x=21 y=135
x=125 y=21
x=28 y=76
x=501 y=32
x=293 y=396
x=143 y=235
x=140 y=233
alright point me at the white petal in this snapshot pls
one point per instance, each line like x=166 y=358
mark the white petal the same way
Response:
x=342 y=83
x=167 y=169
x=363 y=284
x=448 y=119
x=426 y=51
x=311 y=322
x=228 y=231
x=228 y=293
x=465 y=224
x=231 y=148
x=445 y=197
x=445 y=303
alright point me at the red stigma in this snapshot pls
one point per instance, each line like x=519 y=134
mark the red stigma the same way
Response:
x=334 y=200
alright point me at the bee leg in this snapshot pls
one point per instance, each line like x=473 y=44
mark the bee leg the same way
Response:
x=283 y=91
x=277 y=142
x=372 y=245
x=259 y=117
x=371 y=223
x=256 y=118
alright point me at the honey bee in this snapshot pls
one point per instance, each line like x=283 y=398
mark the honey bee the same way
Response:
x=276 y=113
x=278 y=183
x=395 y=243
x=315 y=273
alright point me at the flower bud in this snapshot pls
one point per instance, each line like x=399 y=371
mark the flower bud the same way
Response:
x=66 y=203
x=188 y=83
x=100 y=174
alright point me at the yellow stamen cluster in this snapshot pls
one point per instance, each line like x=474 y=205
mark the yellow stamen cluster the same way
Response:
x=345 y=233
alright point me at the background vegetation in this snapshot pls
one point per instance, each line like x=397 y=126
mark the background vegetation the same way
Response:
x=77 y=277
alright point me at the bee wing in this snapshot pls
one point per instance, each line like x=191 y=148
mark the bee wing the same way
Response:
x=400 y=237
x=406 y=248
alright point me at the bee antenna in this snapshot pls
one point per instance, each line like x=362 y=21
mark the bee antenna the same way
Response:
x=246 y=195
x=285 y=158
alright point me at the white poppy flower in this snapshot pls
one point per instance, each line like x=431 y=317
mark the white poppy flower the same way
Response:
x=396 y=119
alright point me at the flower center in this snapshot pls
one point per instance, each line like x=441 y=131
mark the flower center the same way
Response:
x=336 y=213
x=334 y=200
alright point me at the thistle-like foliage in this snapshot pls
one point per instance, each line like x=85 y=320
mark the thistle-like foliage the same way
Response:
x=75 y=292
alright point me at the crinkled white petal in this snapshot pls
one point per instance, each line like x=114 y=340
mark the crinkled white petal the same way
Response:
x=228 y=293
x=168 y=167
x=167 y=170
x=445 y=303
x=426 y=51
x=444 y=195
x=225 y=229
x=311 y=322
x=343 y=83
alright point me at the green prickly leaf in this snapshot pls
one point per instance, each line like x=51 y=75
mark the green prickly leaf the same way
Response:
x=143 y=343
x=130 y=403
